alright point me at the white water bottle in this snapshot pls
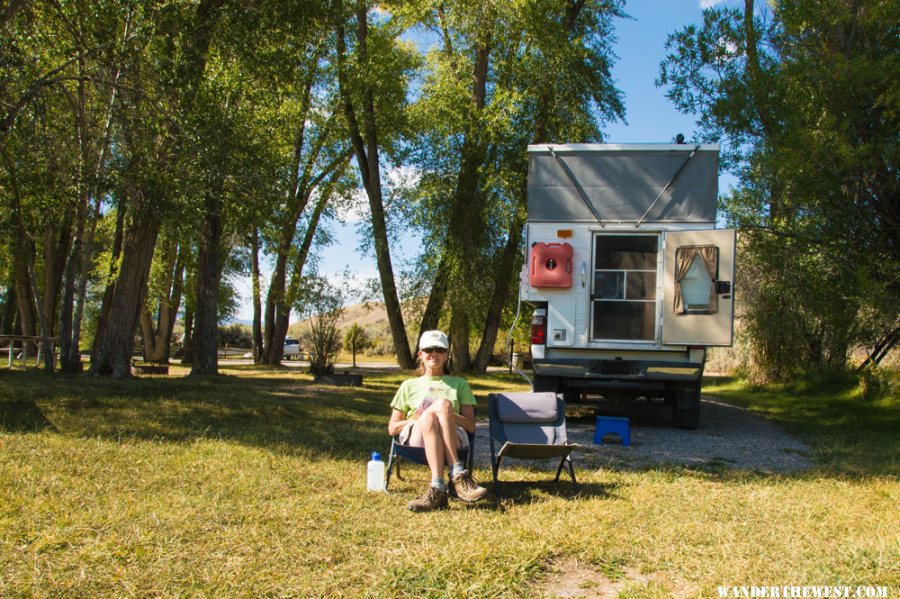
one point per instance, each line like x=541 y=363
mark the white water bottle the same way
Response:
x=375 y=473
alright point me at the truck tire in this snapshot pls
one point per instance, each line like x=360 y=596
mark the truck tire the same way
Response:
x=545 y=383
x=686 y=407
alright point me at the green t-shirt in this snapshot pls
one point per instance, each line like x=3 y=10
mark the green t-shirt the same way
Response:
x=413 y=392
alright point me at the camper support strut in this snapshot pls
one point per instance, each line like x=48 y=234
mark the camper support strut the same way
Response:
x=577 y=185
x=672 y=180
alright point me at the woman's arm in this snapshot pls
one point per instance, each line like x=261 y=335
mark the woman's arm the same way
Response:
x=397 y=422
x=466 y=417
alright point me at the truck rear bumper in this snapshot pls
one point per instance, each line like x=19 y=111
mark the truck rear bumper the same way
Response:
x=611 y=373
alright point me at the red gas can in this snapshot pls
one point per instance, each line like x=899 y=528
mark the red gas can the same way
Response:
x=551 y=265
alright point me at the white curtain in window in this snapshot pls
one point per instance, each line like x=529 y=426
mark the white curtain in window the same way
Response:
x=684 y=258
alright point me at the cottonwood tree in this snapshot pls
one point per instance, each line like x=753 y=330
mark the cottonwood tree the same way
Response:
x=799 y=95
x=373 y=68
x=58 y=87
x=153 y=159
x=500 y=78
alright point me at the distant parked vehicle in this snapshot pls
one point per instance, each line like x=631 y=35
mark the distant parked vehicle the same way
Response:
x=291 y=349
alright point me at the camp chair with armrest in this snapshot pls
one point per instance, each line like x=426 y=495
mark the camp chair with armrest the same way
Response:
x=529 y=426
x=417 y=456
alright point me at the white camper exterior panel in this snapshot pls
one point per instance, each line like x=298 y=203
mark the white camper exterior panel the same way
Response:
x=567 y=317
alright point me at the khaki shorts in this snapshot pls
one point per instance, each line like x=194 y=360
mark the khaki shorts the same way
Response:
x=411 y=436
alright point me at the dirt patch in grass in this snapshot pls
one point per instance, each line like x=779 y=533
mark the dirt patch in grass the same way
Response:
x=570 y=577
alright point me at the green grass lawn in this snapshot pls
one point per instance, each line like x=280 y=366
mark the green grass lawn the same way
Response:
x=253 y=484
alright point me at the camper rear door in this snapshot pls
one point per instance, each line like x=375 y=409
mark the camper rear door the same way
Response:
x=698 y=294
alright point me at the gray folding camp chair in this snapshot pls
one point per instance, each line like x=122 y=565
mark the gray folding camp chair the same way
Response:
x=529 y=426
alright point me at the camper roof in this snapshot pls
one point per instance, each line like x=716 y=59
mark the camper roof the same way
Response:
x=668 y=183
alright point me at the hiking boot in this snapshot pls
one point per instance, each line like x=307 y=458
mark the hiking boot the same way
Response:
x=434 y=499
x=465 y=489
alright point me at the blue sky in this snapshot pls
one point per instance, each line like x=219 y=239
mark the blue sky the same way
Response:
x=649 y=115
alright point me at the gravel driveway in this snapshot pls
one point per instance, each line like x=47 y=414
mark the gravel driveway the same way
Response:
x=728 y=438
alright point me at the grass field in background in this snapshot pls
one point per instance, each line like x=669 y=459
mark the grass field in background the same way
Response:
x=252 y=484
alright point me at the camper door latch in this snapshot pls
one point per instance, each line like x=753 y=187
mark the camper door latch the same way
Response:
x=583 y=274
x=723 y=287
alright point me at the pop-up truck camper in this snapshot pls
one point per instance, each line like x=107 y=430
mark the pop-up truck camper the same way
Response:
x=629 y=279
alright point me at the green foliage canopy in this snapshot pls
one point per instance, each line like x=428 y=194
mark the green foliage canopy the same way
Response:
x=805 y=97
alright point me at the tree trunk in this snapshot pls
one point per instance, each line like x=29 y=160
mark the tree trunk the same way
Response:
x=273 y=341
x=115 y=254
x=463 y=239
x=113 y=349
x=303 y=253
x=209 y=271
x=257 y=315
x=191 y=72
x=157 y=339
x=293 y=288
x=10 y=305
x=70 y=360
x=459 y=337
x=83 y=247
x=57 y=244
x=275 y=305
x=69 y=356
x=22 y=277
x=432 y=315
x=44 y=344
x=366 y=151
x=167 y=320
x=22 y=250
x=506 y=272
x=187 y=342
x=148 y=335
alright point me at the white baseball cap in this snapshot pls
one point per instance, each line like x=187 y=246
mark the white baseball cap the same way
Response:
x=434 y=339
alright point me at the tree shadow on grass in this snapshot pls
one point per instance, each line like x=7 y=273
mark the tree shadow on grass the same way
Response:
x=280 y=414
x=23 y=416
x=523 y=492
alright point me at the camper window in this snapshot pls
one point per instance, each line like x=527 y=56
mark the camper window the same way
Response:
x=695 y=275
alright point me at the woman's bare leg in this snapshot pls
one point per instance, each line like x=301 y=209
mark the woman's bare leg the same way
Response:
x=449 y=436
x=433 y=442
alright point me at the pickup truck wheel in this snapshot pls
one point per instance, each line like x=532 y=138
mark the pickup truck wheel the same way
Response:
x=545 y=383
x=686 y=407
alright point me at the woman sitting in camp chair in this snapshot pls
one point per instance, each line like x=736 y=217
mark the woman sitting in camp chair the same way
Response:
x=435 y=411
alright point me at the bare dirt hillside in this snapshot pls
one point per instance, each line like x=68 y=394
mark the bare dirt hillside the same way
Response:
x=371 y=316
x=367 y=315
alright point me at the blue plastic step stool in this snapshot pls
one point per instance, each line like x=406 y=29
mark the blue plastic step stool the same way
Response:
x=615 y=425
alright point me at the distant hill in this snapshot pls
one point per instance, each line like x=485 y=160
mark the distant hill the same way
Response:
x=367 y=315
x=371 y=316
